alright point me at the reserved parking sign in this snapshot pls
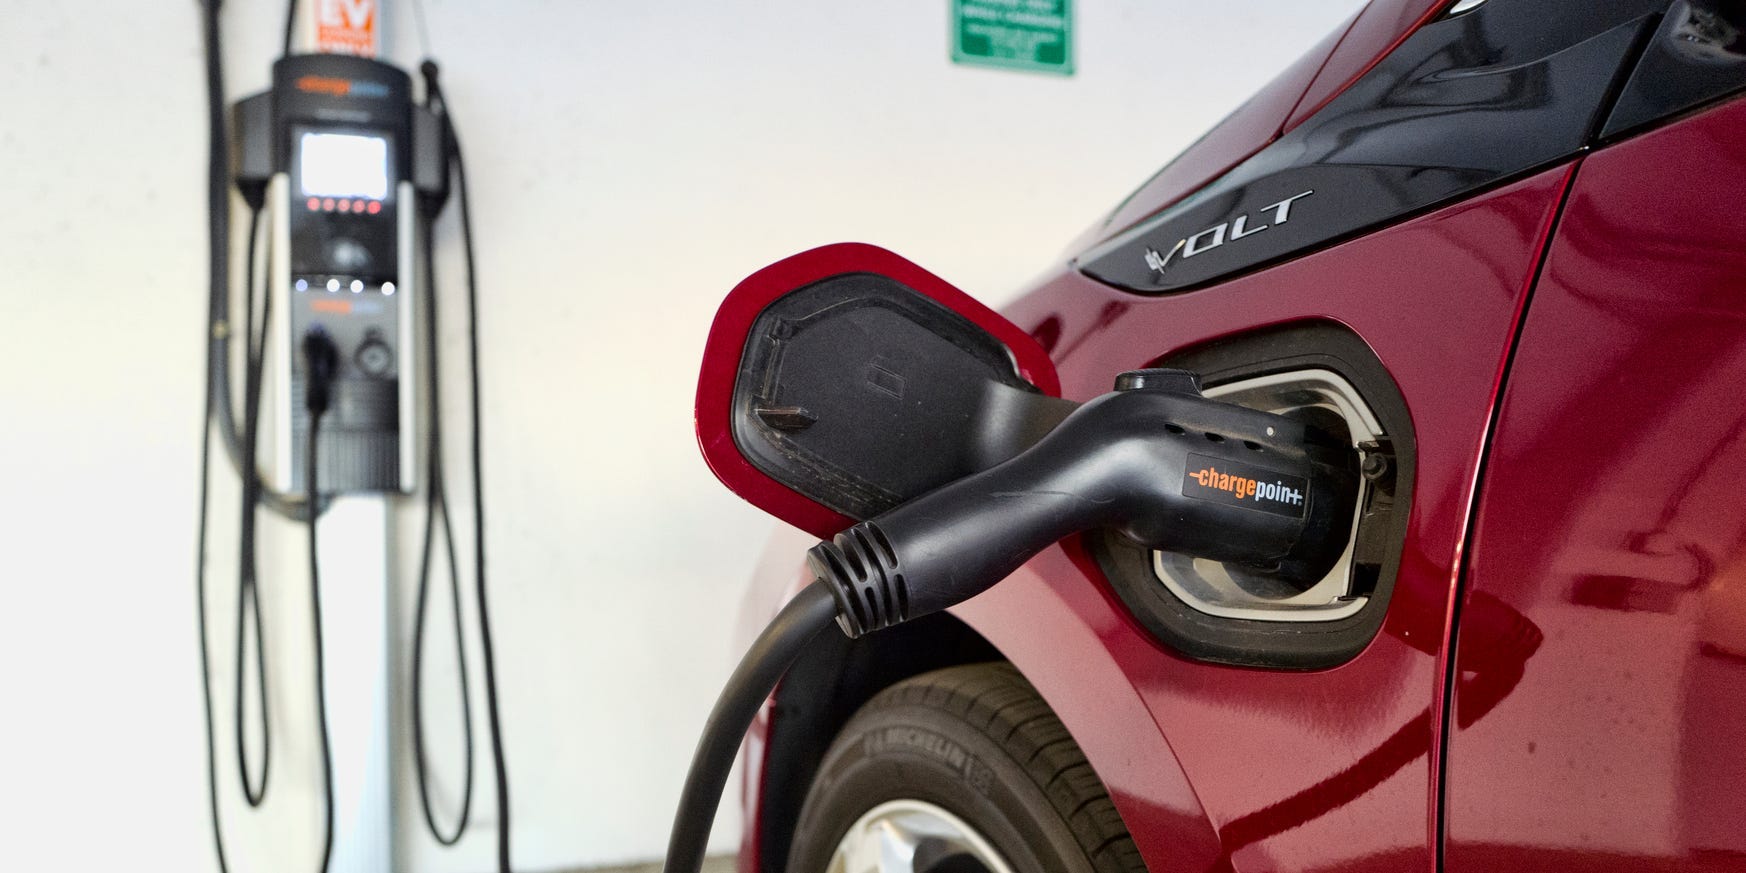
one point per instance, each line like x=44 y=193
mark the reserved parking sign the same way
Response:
x=1034 y=35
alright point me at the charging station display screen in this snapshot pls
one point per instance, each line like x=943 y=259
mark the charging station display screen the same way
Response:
x=343 y=165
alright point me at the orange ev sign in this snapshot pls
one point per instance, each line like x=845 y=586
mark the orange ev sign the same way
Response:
x=347 y=27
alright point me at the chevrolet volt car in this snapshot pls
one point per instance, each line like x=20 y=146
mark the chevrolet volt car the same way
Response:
x=1491 y=251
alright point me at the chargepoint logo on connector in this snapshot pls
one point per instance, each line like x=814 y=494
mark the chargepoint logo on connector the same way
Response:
x=1245 y=486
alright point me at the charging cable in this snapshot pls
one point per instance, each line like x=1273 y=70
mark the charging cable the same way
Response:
x=218 y=413
x=321 y=365
x=436 y=503
x=241 y=445
x=1128 y=461
x=771 y=654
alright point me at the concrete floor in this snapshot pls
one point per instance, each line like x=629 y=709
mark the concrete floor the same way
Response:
x=716 y=864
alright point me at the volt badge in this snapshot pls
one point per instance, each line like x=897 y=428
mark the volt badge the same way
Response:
x=1222 y=481
x=1223 y=232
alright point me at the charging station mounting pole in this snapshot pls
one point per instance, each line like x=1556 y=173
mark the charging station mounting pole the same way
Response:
x=344 y=239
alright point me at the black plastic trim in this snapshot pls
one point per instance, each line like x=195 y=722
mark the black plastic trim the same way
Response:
x=1463 y=104
x=1276 y=645
x=1698 y=55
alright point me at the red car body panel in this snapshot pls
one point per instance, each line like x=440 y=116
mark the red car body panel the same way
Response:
x=1248 y=741
x=1611 y=519
x=1265 y=770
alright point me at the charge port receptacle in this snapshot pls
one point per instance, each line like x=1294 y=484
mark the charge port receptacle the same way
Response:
x=1327 y=400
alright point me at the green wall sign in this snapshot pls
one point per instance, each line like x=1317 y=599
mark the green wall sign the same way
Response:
x=1035 y=35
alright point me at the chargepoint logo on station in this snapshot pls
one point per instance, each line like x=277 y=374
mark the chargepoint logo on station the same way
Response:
x=1224 y=232
x=1245 y=486
x=336 y=87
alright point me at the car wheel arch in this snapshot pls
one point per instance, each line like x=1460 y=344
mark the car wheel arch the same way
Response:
x=824 y=689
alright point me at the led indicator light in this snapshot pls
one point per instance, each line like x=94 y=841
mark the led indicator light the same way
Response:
x=388 y=287
x=314 y=203
x=333 y=285
x=375 y=207
x=327 y=204
x=303 y=284
x=345 y=206
x=357 y=286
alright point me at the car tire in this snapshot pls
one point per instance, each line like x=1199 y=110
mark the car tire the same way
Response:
x=977 y=746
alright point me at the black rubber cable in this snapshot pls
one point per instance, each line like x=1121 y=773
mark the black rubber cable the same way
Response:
x=218 y=200
x=777 y=647
x=458 y=168
x=200 y=623
x=218 y=224
x=248 y=604
x=219 y=255
x=493 y=712
x=436 y=505
x=218 y=271
x=310 y=483
x=290 y=26
x=218 y=413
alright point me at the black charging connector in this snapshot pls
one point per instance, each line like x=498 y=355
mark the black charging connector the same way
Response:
x=321 y=367
x=433 y=143
x=1155 y=460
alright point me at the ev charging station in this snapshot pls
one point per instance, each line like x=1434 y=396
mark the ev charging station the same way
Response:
x=333 y=139
x=344 y=210
x=344 y=173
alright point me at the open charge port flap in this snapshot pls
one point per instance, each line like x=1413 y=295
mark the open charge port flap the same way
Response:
x=1327 y=376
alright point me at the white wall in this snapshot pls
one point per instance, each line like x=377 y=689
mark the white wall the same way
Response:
x=630 y=162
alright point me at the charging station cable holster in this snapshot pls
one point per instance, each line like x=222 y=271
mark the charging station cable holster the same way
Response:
x=1154 y=459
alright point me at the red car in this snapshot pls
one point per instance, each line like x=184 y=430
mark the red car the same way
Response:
x=1497 y=250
